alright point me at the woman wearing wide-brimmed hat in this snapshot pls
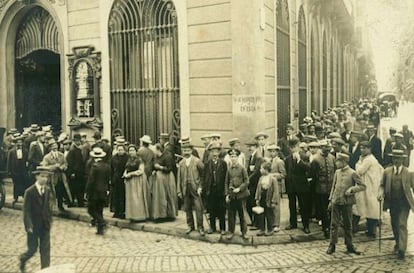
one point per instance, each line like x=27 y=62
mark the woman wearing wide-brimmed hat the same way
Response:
x=136 y=187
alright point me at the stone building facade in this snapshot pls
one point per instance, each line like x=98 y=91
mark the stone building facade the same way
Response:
x=193 y=67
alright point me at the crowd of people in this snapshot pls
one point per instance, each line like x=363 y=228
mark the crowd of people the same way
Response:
x=332 y=170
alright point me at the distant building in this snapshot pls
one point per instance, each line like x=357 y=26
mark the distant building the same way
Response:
x=190 y=66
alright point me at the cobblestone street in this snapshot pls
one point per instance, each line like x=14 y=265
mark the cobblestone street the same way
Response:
x=124 y=250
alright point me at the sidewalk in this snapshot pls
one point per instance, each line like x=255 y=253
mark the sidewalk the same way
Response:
x=178 y=227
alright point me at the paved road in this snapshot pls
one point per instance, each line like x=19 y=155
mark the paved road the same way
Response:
x=123 y=250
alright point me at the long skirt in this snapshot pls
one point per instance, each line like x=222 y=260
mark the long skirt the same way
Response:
x=164 y=196
x=136 y=198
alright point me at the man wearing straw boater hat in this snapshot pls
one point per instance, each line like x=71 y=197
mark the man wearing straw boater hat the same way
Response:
x=396 y=192
x=189 y=188
x=97 y=188
x=37 y=217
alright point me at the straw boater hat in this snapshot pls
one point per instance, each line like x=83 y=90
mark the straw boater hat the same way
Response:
x=314 y=144
x=324 y=143
x=205 y=137
x=398 y=135
x=214 y=146
x=273 y=147
x=185 y=142
x=233 y=141
x=398 y=153
x=343 y=157
x=164 y=136
x=42 y=169
x=52 y=142
x=97 y=152
x=12 y=131
x=338 y=140
x=34 y=127
x=215 y=135
x=261 y=134
x=146 y=139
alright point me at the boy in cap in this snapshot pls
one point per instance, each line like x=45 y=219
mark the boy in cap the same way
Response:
x=345 y=184
x=237 y=192
x=396 y=191
x=278 y=171
x=234 y=143
x=97 y=188
x=37 y=217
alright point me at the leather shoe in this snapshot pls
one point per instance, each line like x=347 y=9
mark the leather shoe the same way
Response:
x=289 y=227
x=189 y=230
x=331 y=249
x=396 y=248
x=222 y=232
x=230 y=236
x=210 y=231
x=245 y=237
x=22 y=265
x=201 y=231
x=351 y=249
x=306 y=230
x=260 y=233
x=401 y=255
x=270 y=233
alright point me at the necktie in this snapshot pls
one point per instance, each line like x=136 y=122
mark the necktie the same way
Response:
x=42 y=190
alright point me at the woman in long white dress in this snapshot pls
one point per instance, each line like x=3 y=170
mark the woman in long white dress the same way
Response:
x=136 y=188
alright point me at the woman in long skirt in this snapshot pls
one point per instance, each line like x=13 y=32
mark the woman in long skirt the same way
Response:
x=118 y=163
x=136 y=187
x=164 y=191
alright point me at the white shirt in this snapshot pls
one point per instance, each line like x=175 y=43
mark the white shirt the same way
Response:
x=397 y=170
x=40 y=189
x=19 y=153
x=188 y=161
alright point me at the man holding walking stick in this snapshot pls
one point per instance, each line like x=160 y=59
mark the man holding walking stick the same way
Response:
x=395 y=190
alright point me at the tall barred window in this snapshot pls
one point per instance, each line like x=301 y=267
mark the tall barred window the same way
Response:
x=283 y=66
x=325 y=74
x=302 y=65
x=144 y=67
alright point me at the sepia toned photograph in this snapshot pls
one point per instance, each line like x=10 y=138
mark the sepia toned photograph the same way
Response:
x=206 y=136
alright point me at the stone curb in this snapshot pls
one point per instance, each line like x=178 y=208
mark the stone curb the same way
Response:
x=278 y=238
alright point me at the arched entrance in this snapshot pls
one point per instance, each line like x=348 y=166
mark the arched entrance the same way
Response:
x=37 y=71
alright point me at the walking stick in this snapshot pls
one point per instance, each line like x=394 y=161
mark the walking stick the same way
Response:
x=379 y=225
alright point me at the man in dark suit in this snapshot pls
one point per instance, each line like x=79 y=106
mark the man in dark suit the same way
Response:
x=97 y=188
x=396 y=191
x=284 y=142
x=37 y=217
x=214 y=188
x=346 y=134
x=376 y=144
x=353 y=149
x=17 y=169
x=76 y=170
x=37 y=151
x=297 y=185
x=253 y=171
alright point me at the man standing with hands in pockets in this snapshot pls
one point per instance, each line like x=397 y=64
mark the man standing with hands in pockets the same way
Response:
x=37 y=217
x=395 y=190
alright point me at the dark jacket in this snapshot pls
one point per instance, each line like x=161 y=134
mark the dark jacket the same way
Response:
x=272 y=194
x=37 y=213
x=253 y=170
x=36 y=155
x=376 y=148
x=220 y=177
x=76 y=165
x=407 y=183
x=354 y=156
x=322 y=176
x=236 y=177
x=98 y=181
x=296 y=175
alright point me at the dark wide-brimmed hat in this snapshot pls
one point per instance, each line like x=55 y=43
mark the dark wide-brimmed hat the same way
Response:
x=97 y=152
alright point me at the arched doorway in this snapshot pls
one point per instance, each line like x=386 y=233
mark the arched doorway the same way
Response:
x=37 y=71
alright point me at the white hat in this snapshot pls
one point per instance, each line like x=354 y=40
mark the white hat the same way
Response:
x=146 y=139
x=97 y=152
